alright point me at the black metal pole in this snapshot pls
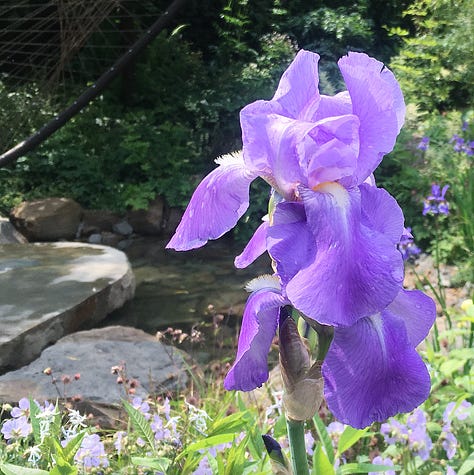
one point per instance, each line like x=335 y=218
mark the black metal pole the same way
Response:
x=90 y=93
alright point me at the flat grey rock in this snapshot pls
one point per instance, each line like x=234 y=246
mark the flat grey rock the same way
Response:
x=9 y=234
x=50 y=290
x=157 y=367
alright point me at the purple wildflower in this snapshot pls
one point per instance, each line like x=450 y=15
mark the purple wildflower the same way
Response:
x=450 y=470
x=47 y=407
x=203 y=468
x=382 y=461
x=141 y=406
x=459 y=412
x=449 y=442
x=160 y=431
x=335 y=430
x=23 y=408
x=465 y=125
x=394 y=432
x=436 y=203
x=424 y=144
x=407 y=246
x=458 y=143
x=332 y=235
x=92 y=452
x=419 y=440
x=469 y=148
x=309 y=443
x=120 y=441
x=16 y=428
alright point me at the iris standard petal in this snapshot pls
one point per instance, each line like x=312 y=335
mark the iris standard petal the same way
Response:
x=372 y=371
x=218 y=202
x=334 y=151
x=333 y=106
x=254 y=248
x=298 y=92
x=275 y=145
x=417 y=310
x=378 y=102
x=381 y=212
x=355 y=271
x=259 y=324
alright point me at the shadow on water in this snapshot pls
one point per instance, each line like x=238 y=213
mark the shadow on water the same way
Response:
x=175 y=289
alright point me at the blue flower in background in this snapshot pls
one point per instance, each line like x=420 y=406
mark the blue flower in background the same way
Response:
x=407 y=246
x=436 y=203
x=424 y=143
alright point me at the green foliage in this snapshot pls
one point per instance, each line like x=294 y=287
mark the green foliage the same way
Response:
x=408 y=173
x=435 y=66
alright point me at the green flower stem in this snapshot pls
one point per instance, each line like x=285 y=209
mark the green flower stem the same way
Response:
x=299 y=458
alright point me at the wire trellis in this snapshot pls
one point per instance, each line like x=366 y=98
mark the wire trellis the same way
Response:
x=52 y=50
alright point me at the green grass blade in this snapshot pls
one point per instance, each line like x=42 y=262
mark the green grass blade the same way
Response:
x=324 y=437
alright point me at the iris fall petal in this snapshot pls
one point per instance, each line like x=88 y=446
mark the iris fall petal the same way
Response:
x=259 y=324
x=353 y=272
x=372 y=371
x=218 y=202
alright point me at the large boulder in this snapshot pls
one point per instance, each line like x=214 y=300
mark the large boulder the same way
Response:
x=148 y=221
x=98 y=220
x=50 y=219
x=157 y=368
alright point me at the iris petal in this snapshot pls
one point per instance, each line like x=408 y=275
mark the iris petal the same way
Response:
x=275 y=145
x=372 y=372
x=417 y=310
x=217 y=204
x=298 y=92
x=259 y=324
x=290 y=241
x=351 y=271
x=378 y=102
x=254 y=248
x=381 y=212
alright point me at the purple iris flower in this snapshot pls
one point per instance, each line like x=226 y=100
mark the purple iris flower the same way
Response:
x=436 y=203
x=331 y=233
x=424 y=143
x=318 y=151
x=371 y=371
x=300 y=138
x=458 y=143
x=407 y=246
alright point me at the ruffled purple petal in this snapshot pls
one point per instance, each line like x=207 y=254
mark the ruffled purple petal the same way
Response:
x=254 y=248
x=298 y=92
x=333 y=106
x=346 y=271
x=381 y=212
x=378 y=102
x=417 y=310
x=275 y=145
x=217 y=204
x=333 y=150
x=372 y=372
x=259 y=324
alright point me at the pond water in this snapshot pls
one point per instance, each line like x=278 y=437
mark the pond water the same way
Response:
x=176 y=288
